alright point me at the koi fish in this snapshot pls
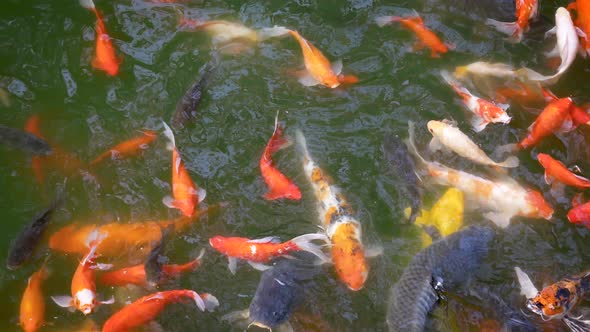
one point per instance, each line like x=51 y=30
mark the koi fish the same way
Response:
x=426 y=38
x=582 y=8
x=484 y=111
x=318 y=67
x=149 y=307
x=24 y=141
x=402 y=165
x=557 y=300
x=32 y=305
x=258 y=251
x=556 y=171
x=526 y=10
x=83 y=283
x=32 y=126
x=447 y=135
x=343 y=230
x=502 y=198
x=485 y=69
x=104 y=58
x=580 y=213
x=186 y=194
x=445 y=263
x=280 y=186
x=524 y=94
x=127 y=148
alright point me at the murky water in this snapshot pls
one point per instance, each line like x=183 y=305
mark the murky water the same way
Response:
x=45 y=53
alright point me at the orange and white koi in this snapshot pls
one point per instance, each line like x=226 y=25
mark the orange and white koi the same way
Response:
x=280 y=186
x=83 y=283
x=149 y=307
x=484 y=111
x=104 y=58
x=556 y=171
x=582 y=9
x=127 y=148
x=32 y=305
x=186 y=194
x=259 y=251
x=503 y=199
x=343 y=230
x=526 y=10
x=426 y=38
x=319 y=70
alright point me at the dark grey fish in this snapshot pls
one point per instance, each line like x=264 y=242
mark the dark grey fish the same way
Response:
x=280 y=290
x=402 y=165
x=21 y=140
x=155 y=261
x=29 y=237
x=446 y=263
x=186 y=108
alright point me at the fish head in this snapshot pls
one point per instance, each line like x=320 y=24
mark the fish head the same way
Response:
x=217 y=242
x=348 y=256
x=540 y=207
x=435 y=127
x=85 y=301
x=554 y=301
x=544 y=159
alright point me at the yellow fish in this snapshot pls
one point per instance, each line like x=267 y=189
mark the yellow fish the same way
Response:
x=446 y=215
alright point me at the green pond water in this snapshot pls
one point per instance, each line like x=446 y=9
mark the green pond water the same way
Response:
x=45 y=53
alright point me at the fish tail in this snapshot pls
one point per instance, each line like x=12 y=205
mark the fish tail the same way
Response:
x=382 y=21
x=198 y=300
x=510 y=162
x=276 y=31
x=303 y=242
x=88 y=4
x=508 y=148
x=510 y=28
x=410 y=143
x=277 y=140
x=527 y=74
x=170 y=135
x=301 y=143
x=211 y=302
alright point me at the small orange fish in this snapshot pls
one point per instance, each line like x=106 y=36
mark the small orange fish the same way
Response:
x=582 y=8
x=426 y=38
x=580 y=213
x=556 y=171
x=186 y=194
x=32 y=126
x=127 y=148
x=263 y=250
x=32 y=305
x=554 y=117
x=526 y=10
x=149 y=307
x=319 y=69
x=279 y=185
x=83 y=283
x=524 y=94
x=104 y=58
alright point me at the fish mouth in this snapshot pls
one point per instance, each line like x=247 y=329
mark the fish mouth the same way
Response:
x=534 y=307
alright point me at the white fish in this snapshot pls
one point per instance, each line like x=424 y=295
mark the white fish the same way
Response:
x=446 y=134
x=482 y=68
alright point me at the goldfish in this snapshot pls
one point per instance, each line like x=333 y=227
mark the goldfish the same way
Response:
x=526 y=10
x=32 y=305
x=426 y=38
x=186 y=194
x=83 y=283
x=557 y=300
x=482 y=68
x=147 y=308
x=446 y=134
x=32 y=126
x=343 y=230
x=524 y=94
x=280 y=186
x=502 y=198
x=258 y=251
x=580 y=213
x=556 y=171
x=318 y=67
x=104 y=58
x=402 y=164
x=484 y=111
x=582 y=8
x=24 y=141
x=127 y=148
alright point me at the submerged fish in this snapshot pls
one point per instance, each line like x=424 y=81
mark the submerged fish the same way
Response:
x=580 y=213
x=18 y=139
x=556 y=171
x=32 y=305
x=127 y=148
x=186 y=109
x=153 y=264
x=526 y=10
x=401 y=163
x=582 y=9
x=104 y=58
x=449 y=261
x=485 y=69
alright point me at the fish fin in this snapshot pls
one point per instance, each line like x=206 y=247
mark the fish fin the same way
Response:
x=169 y=202
x=111 y=300
x=276 y=31
x=527 y=288
x=478 y=124
x=94 y=238
x=268 y=239
x=198 y=300
x=510 y=28
x=259 y=266
x=88 y=4
x=285 y=327
x=101 y=266
x=410 y=142
x=170 y=135
x=567 y=125
x=201 y=254
x=211 y=302
x=551 y=31
x=507 y=148
x=501 y=219
x=374 y=251
x=382 y=21
x=201 y=194
x=308 y=80
x=581 y=33
x=235 y=316
x=301 y=143
x=576 y=324
x=232 y=264
x=435 y=144
x=304 y=243
x=510 y=162
x=337 y=67
x=63 y=301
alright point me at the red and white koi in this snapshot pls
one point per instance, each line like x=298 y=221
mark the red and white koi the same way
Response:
x=526 y=10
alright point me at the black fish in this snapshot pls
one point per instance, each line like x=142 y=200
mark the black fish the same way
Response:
x=402 y=164
x=187 y=107
x=27 y=240
x=447 y=262
x=154 y=262
x=21 y=140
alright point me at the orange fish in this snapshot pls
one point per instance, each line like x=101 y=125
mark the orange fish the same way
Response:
x=83 y=283
x=127 y=148
x=582 y=8
x=279 y=185
x=526 y=10
x=136 y=275
x=32 y=126
x=105 y=58
x=524 y=94
x=426 y=38
x=556 y=171
x=186 y=194
x=149 y=307
x=319 y=69
x=580 y=212
x=554 y=117
x=32 y=305
x=264 y=250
